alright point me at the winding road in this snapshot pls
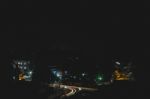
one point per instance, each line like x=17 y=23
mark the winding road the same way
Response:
x=73 y=89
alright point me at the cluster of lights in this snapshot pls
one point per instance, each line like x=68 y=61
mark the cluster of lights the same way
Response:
x=120 y=76
x=25 y=77
x=25 y=73
x=21 y=76
x=83 y=74
x=122 y=73
x=99 y=79
x=57 y=73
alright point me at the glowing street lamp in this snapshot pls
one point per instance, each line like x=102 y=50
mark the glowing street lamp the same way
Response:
x=83 y=74
x=118 y=63
x=99 y=78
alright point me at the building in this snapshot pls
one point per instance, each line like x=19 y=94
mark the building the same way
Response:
x=22 y=70
x=123 y=71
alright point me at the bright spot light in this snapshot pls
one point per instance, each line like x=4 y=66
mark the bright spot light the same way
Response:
x=14 y=77
x=118 y=63
x=99 y=78
x=58 y=75
x=65 y=86
x=30 y=72
x=83 y=74
x=80 y=88
x=27 y=76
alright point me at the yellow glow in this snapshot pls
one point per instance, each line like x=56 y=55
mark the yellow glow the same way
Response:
x=120 y=75
x=21 y=76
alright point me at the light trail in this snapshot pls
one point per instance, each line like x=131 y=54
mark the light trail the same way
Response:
x=73 y=89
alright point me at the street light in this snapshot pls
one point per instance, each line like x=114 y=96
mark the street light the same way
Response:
x=83 y=74
x=118 y=63
x=99 y=78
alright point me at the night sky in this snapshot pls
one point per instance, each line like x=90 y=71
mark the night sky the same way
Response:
x=52 y=48
x=100 y=34
x=102 y=42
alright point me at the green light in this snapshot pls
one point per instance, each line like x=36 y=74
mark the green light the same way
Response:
x=99 y=78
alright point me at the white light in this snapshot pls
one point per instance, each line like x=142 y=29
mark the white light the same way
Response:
x=65 y=86
x=30 y=72
x=80 y=88
x=118 y=63
x=58 y=75
x=83 y=74
x=27 y=76
x=25 y=67
x=74 y=77
x=100 y=78
x=14 y=77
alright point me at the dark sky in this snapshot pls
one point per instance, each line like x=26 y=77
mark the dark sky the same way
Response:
x=108 y=40
x=46 y=4
x=53 y=26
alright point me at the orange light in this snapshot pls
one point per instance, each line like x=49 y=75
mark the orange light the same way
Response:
x=21 y=76
x=120 y=75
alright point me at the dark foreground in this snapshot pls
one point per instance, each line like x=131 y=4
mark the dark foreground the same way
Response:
x=118 y=90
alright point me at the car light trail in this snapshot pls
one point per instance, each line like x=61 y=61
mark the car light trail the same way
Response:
x=73 y=89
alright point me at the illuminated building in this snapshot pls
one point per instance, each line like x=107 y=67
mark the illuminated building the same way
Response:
x=56 y=74
x=21 y=76
x=123 y=72
x=99 y=78
x=120 y=75
x=22 y=70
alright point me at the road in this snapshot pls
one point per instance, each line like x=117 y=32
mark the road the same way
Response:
x=72 y=89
